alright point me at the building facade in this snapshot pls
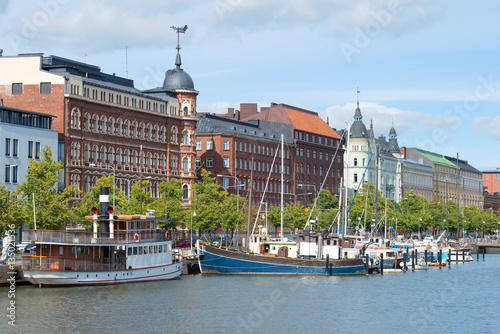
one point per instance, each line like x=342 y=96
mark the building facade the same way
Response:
x=23 y=135
x=453 y=178
x=378 y=159
x=105 y=125
x=491 y=182
x=417 y=178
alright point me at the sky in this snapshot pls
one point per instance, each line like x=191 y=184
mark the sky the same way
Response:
x=430 y=67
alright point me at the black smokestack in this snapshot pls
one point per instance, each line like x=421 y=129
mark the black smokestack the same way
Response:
x=104 y=216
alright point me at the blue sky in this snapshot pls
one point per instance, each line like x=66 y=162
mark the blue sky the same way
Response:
x=431 y=66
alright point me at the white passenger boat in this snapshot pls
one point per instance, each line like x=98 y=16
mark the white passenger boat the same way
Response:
x=126 y=249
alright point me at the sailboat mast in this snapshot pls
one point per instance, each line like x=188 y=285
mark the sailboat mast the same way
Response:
x=249 y=204
x=346 y=183
x=282 y=183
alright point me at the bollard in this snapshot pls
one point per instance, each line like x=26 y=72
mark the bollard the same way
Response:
x=432 y=256
x=405 y=257
x=463 y=255
x=477 y=252
x=440 y=257
x=413 y=259
x=327 y=265
x=484 y=252
x=367 y=264
x=425 y=255
x=382 y=263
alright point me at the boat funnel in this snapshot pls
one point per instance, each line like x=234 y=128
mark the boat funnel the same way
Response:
x=104 y=216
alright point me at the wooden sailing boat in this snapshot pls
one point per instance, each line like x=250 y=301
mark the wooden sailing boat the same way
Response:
x=267 y=255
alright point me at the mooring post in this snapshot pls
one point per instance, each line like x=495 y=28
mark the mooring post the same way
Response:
x=367 y=264
x=382 y=263
x=327 y=266
x=425 y=255
x=405 y=258
x=484 y=252
x=413 y=254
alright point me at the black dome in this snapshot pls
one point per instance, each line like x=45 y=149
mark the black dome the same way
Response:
x=177 y=79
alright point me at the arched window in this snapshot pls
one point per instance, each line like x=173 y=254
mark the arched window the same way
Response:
x=154 y=133
x=140 y=130
x=86 y=153
x=185 y=192
x=94 y=181
x=175 y=134
x=155 y=160
x=162 y=161
x=102 y=155
x=125 y=128
x=75 y=118
x=148 y=160
x=133 y=159
x=94 y=154
x=86 y=120
x=355 y=161
x=86 y=185
x=185 y=137
x=147 y=132
x=133 y=130
x=126 y=154
x=94 y=123
x=111 y=125
x=111 y=153
x=118 y=156
x=119 y=127
x=185 y=165
x=163 y=133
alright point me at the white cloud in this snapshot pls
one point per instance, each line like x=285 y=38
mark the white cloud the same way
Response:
x=488 y=125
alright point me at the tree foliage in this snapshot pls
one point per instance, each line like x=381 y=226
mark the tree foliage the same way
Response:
x=170 y=204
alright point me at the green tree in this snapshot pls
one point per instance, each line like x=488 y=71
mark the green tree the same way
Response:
x=10 y=213
x=137 y=200
x=233 y=218
x=207 y=203
x=170 y=204
x=42 y=180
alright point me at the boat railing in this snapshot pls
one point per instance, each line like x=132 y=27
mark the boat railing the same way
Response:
x=74 y=264
x=89 y=237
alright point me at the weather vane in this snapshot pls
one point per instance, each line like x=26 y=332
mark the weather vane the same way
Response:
x=179 y=31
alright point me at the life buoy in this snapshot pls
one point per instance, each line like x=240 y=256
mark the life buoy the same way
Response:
x=136 y=237
x=166 y=236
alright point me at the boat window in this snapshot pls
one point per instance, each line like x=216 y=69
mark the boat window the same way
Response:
x=150 y=249
x=61 y=250
x=145 y=249
x=140 y=250
x=88 y=250
x=156 y=249
x=169 y=247
x=135 y=250
x=129 y=251
x=73 y=250
x=160 y=248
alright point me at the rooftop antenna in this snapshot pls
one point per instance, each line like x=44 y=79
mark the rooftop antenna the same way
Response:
x=178 y=30
x=126 y=61
x=358 y=96
x=85 y=55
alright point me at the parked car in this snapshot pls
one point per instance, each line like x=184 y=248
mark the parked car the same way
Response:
x=31 y=248
x=182 y=243
x=21 y=246
x=222 y=241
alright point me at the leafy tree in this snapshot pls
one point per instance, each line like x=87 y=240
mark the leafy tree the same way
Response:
x=51 y=205
x=207 y=203
x=233 y=218
x=147 y=201
x=91 y=198
x=10 y=213
x=170 y=204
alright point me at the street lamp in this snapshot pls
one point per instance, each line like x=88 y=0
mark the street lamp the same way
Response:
x=419 y=222
x=112 y=167
x=193 y=214
x=482 y=233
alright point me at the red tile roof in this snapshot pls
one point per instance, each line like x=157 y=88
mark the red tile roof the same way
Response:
x=301 y=119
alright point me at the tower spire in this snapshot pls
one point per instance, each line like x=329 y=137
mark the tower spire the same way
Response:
x=358 y=96
x=179 y=30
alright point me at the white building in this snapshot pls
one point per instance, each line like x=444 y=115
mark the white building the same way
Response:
x=23 y=135
x=363 y=147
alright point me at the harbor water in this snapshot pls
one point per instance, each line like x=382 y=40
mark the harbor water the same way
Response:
x=463 y=298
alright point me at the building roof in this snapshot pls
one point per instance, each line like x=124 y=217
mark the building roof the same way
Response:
x=463 y=165
x=437 y=159
x=263 y=130
x=300 y=119
x=415 y=164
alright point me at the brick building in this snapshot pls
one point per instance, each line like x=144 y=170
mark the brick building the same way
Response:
x=105 y=125
x=491 y=182
x=311 y=148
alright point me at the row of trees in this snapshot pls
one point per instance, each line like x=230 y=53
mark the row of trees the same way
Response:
x=213 y=208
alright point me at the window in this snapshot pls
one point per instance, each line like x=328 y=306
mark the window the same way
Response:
x=226 y=163
x=30 y=150
x=14 y=147
x=7 y=173
x=185 y=192
x=185 y=137
x=7 y=147
x=210 y=144
x=14 y=174
x=355 y=161
x=37 y=150
x=45 y=88
x=17 y=88
x=198 y=162
x=226 y=145
x=225 y=183
x=210 y=162
x=198 y=144
x=185 y=165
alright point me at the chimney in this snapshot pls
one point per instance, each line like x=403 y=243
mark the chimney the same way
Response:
x=104 y=216
x=230 y=113
x=403 y=151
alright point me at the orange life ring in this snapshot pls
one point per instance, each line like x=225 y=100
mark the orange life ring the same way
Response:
x=166 y=235
x=136 y=237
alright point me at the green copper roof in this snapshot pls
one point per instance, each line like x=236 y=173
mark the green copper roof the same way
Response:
x=437 y=159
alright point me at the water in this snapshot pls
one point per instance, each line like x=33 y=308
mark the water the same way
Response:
x=462 y=299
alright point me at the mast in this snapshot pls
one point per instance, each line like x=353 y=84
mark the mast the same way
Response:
x=282 y=183
x=458 y=200
x=376 y=186
x=346 y=183
x=249 y=204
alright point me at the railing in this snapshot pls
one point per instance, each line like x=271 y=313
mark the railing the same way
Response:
x=51 y=263
x=87 y=237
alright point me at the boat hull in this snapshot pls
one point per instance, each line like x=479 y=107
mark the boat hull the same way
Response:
x=106 y=277
x=214 y=260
